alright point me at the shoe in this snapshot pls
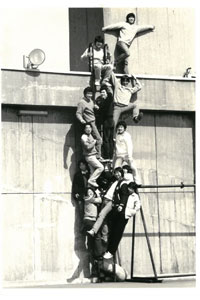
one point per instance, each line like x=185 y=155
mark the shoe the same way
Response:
x=91 y=232
x=107 y=255
x=106 y=83
x=97 y=82
x=101 y=159
x=138 y=118
x=93 y=183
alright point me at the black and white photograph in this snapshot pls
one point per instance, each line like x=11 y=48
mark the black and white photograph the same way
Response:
x=98 y=146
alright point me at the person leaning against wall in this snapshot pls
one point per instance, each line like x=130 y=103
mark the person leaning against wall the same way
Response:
x=127 y=33
x=90 y=153
x=85 y=114
x=79 y=185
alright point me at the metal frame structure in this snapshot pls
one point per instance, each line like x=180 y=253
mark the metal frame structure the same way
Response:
x=154 y=278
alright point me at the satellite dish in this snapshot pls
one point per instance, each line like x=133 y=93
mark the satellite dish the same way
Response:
x=35 y=58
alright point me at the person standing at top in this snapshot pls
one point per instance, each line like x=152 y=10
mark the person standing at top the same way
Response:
x=127 y=33
x=101 y=64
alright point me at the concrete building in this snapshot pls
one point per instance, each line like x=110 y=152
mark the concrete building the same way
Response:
x=41 y=146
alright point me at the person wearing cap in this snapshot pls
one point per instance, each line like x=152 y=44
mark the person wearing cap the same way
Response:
x=127 y=33
x=85 y=114
x=123 y=96
x=101 y=68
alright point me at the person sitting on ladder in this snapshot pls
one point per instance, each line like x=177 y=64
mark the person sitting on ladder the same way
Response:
x=101 y=65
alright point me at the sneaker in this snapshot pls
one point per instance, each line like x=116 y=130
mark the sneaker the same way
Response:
x=92 y=183
x=106 y=83
x=107 y=255
x=91 y=232
x=138 y=118
x=97 y=82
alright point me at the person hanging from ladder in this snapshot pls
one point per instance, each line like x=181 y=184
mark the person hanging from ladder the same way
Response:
x=99 y=61
x=127 y=32
x=123 y=96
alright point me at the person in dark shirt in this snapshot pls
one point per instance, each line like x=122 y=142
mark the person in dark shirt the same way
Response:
x=79 y=185
x=104 y=118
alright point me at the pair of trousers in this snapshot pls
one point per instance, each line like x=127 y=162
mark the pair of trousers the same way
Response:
x=94 y=244
x=118 y=110
x=124 y=48
x=102 y=71
x=108 y=133
x=118 y=162
x=118 y=224
x=96 y=168
x=97 y=136
x=103 y=213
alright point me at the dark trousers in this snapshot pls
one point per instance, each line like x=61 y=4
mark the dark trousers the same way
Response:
x=108 y=144
x=94 y=243
x=117 y=226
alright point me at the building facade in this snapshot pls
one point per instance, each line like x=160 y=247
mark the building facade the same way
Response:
x=41 y=144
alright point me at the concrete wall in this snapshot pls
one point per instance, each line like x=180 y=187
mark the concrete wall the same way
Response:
x=39 y=157
x=41 y=238
x=169 y=50
x=34 y=88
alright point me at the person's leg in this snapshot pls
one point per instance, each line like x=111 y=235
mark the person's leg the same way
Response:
x=118 y=226
x=106 y=73
x=97 y=136
x=125 y=52
x=103 y=213
x=97 y=73
x=97 y=166
x=136 y=175
x=116 y=115
x=118 y=161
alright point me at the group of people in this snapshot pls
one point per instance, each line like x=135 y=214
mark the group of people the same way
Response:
x=105 y=186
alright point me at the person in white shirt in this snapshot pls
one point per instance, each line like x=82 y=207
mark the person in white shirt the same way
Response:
x=123 y=151
x=127 y=33
x=101 y=66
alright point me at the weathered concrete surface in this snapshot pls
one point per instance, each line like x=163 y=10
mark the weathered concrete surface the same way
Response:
x=56 y=89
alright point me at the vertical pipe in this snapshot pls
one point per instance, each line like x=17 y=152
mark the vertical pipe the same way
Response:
x=133 y=247
x=148 y=242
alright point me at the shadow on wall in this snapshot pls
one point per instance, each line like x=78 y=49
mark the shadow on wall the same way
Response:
x=72 y=141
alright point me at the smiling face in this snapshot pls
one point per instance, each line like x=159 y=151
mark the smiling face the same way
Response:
x=120 y=129
x=124 y=81
x=98 y=45
x=117 y=175
x=88 y=95
x=131 y=20
x=104 y=94
x=88 y=129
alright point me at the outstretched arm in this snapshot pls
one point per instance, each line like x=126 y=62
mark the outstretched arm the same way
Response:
x=137 y=86
x=145 y=27
x=113 y=26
